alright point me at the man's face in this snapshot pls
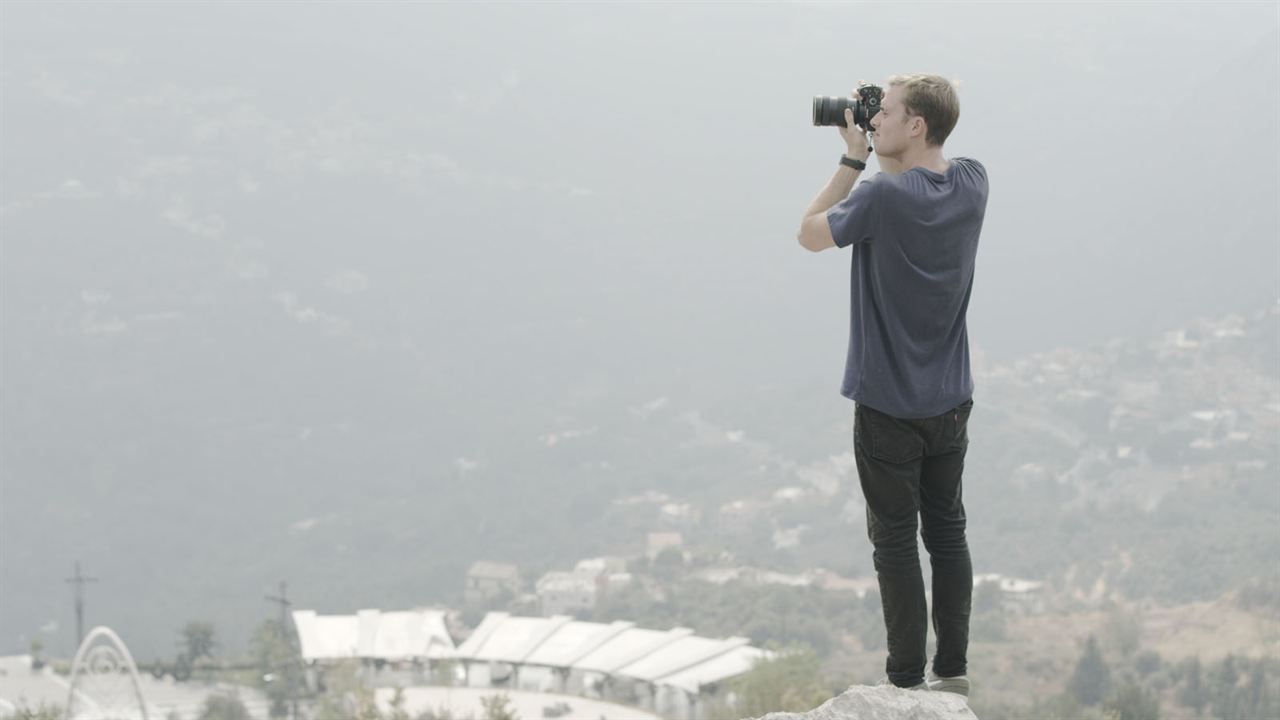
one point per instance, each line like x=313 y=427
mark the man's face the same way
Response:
x=888 y=125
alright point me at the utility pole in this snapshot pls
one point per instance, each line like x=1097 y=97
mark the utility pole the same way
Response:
x=283 y=601
x=79 y=581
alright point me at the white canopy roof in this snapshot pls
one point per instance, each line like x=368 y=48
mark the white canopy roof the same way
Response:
x=730 y=664
x=674 y=657
x=373 y=634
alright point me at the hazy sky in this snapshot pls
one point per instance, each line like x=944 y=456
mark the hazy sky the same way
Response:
x=627 y=149
x=523 y=194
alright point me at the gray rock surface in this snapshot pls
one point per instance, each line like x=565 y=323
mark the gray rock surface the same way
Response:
x=861 y=702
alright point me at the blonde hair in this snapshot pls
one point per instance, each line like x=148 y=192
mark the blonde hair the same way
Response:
x=933 y=98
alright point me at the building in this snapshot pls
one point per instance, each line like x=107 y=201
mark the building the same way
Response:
x=567 y=592
x=580 y=590
x=660 y=541
x=608 y=564
x=1016 y=594
x=666 y=672
x=487 y=580
x=373 y=635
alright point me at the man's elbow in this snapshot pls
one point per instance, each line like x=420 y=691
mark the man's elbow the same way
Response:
x=815 y=234
x=806 y=241
x=813 y=244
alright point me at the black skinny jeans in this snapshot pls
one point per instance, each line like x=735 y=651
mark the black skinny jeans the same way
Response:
x=908 y=467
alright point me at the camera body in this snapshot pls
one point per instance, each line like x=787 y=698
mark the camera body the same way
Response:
x=830 y=110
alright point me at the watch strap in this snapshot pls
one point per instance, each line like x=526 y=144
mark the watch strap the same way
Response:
x=852 y=162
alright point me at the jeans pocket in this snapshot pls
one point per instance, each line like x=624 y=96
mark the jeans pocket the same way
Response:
x=961 y=424
x=886 y=438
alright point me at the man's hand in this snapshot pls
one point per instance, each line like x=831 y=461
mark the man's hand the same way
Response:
x=854 y=137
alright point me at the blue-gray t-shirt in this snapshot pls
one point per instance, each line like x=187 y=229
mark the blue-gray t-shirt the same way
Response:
x=914 y=238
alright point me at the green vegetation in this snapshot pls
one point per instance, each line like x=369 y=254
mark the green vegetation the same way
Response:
x=358 y=704
x=279 y=667
x=224 y=707
x=197 y=640
x=1091 y=679
x=1232 y=688
x=791 y=681
x=987 y=621
x=767 y=614
x=43 y=712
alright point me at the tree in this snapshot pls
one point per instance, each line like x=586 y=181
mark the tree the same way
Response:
x=1146 y=662
x=441 y=713
x=366 y=706
x=44 y=712
x=279 y=667
x=668 y=563
x=397 y=706
x=496 y=708
x=37 y=646
x=224 y=707
x=1123 y=629
x=1191 y=692
x=197 y=640
x=790 y=681
x=1133 y=702
x=1224 y=698
x=1091 y=678
x=1257 y=700
x=988 y=597
x=1062 y=706
x=989 y=625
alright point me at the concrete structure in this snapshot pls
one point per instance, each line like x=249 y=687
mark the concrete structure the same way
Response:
x=24 y=686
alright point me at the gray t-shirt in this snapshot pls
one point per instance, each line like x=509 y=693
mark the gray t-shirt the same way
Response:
x=914 y=238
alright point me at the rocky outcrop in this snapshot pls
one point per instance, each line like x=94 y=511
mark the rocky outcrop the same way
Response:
x=885 y=703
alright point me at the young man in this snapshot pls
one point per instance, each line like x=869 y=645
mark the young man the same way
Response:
x=913 y=229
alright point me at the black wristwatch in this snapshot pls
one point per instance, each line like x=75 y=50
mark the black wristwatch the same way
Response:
x=852 y=162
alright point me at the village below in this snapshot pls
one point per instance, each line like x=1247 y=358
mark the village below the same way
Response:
x=1078 y=611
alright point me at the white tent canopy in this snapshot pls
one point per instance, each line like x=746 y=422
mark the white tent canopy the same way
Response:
x=676 y=658
x=415 y=634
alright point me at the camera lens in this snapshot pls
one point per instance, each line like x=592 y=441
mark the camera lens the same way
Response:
x=830 y=110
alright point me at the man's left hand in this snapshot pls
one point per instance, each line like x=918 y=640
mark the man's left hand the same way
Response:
x=855 y=137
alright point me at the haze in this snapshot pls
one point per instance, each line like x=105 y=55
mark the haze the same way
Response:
x=278 y=263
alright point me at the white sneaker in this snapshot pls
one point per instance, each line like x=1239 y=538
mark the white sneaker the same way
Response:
x=958 y=685
x=924 y=685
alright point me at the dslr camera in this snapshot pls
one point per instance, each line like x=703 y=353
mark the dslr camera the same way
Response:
x=830 y=110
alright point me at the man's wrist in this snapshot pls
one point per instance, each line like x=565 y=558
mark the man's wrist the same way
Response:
x=853 y=161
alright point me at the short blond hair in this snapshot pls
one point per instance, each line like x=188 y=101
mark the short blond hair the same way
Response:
x=933 y=98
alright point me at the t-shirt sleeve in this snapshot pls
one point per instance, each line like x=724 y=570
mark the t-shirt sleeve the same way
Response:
x=852 y=219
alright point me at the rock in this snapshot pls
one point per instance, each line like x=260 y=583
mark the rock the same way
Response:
x=885 y=702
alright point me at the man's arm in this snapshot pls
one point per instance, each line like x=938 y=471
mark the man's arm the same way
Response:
x=815 y=233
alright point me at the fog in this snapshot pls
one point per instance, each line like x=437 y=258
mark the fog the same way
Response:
x=281 y=265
